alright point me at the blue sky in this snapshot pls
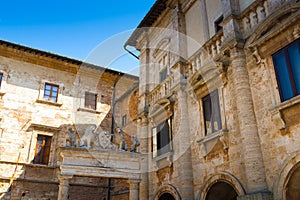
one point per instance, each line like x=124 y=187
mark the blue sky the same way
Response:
x=73 y=28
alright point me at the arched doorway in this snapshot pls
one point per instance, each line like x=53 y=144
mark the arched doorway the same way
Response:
x=293 y=187
x=221 y=190
x=166 y=196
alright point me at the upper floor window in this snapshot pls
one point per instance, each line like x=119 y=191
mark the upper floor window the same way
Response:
x=163 y=75
x=90 y=100
x=124 y=119
x=51 y=92
x=287 y=68
x=211 y=112
x=1 y=76
x=161 y=140
x=218 y=24
x=42 y=150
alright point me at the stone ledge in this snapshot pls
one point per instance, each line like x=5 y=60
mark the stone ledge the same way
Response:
x=208 y=142
x=49 y=102
x=276 y=111
x=89 y=110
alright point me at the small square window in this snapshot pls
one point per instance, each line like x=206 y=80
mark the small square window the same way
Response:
x=90 y=100
x=124 y=120
x=42 y=150
x=51 y=92
x=1 y=76
x=211 y=112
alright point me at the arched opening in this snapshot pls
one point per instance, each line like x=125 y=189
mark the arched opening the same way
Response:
x=221 y=190
x=293 y=186
x=166 y=196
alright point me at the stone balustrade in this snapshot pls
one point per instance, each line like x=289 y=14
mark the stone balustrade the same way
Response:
x=207 y=53
x=162 y=90
x=255 y=14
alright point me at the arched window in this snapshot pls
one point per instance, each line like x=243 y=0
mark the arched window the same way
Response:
x=221 y=190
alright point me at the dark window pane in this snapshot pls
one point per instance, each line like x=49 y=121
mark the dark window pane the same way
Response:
x=161 y=139
x=283 y=76
x=42 y=151
x=90 y=100
x=294 y=56
x=211 y=113
x=163 y=75
x=1 y=75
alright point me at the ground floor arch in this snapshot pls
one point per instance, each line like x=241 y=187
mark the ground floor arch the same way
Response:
x=167 y=192
x=222 y=185
x=292 y=188
x=221 y=190
x=286 y=185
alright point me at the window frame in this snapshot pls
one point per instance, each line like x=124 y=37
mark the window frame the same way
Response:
x=42 y=159
x=95 y=100
x=212 y=98
x=157 y=145
x=1 y=78
x=124 y=120
x=291 y=76
x=50 y=98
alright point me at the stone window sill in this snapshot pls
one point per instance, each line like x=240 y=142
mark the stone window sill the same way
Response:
x=163 y=160
x=276 y=111
x=208 y=142
x=49 y=102
x=89 y=110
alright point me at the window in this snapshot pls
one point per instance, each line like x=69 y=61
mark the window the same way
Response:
x=161 y=140
x=1 y=76
x=287 y=69
x=90 y=100
x=124 y=118
x=218 y=24
x=163 y=75
x=51 y=92
x=42 y=150
x=211 y=112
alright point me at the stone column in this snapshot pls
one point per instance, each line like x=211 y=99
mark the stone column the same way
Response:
x=145 y=154
x=250 y=142
x=134 y=189
x=63 y=191
x=183 y=155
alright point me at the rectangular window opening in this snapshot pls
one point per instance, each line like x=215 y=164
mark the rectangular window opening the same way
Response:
x=218 y=24
x=287 y=68
x=211 y=112
x=42 y=151
x=90 y=100
x=51 y=92
x=1 y=77
x=161 y=138
x=124 y=120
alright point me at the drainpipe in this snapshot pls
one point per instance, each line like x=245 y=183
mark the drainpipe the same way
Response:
x=125 y=47
x=113 y=127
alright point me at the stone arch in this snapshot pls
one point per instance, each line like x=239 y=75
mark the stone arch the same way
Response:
x=268 y=24
x=167 y=191
x=222 y=177
x=290 y=166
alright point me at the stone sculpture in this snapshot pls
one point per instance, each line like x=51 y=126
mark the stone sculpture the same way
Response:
x=119 y=140
x=135 y=143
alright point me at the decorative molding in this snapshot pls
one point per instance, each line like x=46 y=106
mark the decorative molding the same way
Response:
x=208 y=142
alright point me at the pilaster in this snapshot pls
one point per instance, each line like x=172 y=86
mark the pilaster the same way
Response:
x=63 y=191
x=250 y=142
x=134 y=189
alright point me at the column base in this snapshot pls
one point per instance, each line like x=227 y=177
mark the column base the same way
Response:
x=262 y=195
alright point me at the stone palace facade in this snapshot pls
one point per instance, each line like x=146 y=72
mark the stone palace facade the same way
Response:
x=214 y=114
x=219 y=103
